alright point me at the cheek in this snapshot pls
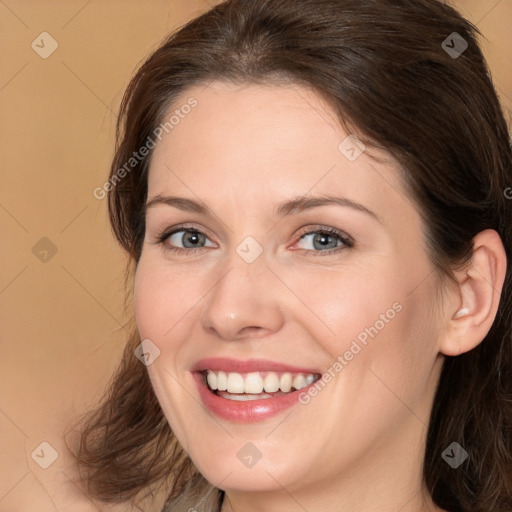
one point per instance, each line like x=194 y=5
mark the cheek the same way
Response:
x=371 y=326
x=396 y=364
x=148 y=303
x=161 y=300
x=341 y=306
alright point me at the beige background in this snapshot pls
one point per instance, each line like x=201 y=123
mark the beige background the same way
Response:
x=61 y=318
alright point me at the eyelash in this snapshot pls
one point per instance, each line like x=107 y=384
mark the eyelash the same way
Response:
x=162 y=237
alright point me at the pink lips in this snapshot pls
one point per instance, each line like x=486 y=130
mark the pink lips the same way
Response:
x=248 y=411
x=253 y=365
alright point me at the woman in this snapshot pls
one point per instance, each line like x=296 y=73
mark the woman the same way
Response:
x=312 y=196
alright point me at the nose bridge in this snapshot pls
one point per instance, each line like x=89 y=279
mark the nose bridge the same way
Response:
x=242 y=296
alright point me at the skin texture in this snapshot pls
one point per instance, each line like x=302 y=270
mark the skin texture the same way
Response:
x=358 y=445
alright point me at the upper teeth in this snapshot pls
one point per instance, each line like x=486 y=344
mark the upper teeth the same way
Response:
x=257 y=382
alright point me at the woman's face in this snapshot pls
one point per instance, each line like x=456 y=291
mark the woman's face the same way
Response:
x=266 y=294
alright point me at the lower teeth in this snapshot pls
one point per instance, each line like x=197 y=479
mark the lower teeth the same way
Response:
x=243 y=397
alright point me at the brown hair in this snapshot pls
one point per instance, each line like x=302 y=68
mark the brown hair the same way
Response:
x=383 y=67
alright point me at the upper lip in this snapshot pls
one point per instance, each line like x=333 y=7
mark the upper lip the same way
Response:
x=227 y=364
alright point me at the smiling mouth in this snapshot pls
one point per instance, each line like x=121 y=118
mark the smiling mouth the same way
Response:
x=256 y=385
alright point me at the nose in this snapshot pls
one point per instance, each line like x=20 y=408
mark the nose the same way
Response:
x=244 y=302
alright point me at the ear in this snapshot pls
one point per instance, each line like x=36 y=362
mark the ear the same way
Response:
x=474 y=306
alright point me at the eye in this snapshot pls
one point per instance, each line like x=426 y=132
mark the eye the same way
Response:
x=326 y=240
x=190 y=238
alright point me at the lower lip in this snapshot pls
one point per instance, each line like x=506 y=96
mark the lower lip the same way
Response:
x=249 y=411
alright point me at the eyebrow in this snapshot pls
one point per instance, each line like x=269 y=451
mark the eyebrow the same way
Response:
x=295 y=205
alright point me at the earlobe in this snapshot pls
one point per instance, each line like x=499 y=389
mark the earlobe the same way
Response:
x=479 y=289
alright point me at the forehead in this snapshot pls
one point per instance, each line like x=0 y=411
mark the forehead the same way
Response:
x=256 y=143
